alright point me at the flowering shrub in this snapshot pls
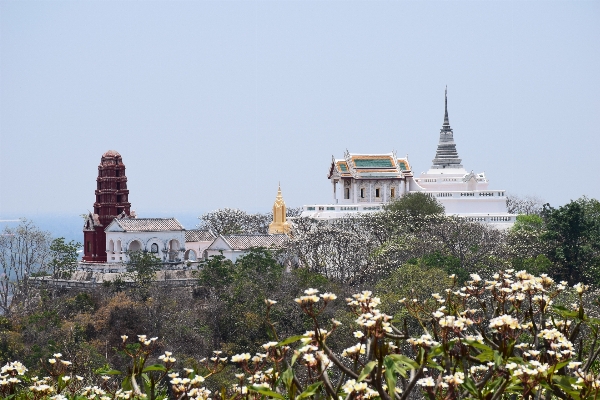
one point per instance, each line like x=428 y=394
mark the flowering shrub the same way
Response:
x=489 y=339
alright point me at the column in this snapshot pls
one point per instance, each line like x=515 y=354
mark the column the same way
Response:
x=334 y=192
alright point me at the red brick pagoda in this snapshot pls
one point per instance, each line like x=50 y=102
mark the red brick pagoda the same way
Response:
x=111 y=202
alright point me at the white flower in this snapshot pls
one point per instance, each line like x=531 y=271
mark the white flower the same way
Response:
x=328 y=296
x=240 y=357
x=426 y=382
x=267 y=346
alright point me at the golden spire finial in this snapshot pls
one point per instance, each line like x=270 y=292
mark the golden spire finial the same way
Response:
x=279 y=224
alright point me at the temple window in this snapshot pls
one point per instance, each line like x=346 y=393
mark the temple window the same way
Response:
x=117 y=173
x=377 y=192
x=362 y=193
x=393 y=193
x=154 y=248
x=118 y=185
x=118 y=198
x=346 y=193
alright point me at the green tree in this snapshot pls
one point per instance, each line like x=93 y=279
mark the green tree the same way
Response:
x=141 y=268
x=573 y=239
x=528 y=222
x=416 y=204
x=216 y=272
x=63 y=258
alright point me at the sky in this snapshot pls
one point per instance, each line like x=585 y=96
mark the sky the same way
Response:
x=212 y=104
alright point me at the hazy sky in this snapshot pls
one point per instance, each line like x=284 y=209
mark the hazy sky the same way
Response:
x=212 y=103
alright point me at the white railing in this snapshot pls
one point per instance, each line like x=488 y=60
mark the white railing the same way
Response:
x=345 y=208
x=468 y=193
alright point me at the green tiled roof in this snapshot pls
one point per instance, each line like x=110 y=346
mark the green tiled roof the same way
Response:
x=391 y=174
x=343 y=167
x=373 y=163
x=402 y=165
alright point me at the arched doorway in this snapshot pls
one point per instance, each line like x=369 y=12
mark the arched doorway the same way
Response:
x=135 y=246
x=173 y=250
x=190 y=255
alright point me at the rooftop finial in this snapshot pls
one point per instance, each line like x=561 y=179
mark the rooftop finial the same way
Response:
x=446 y=121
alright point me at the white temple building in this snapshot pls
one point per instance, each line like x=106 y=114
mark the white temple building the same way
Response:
x=363 y=183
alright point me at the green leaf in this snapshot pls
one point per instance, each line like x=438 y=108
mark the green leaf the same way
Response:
x=565 y=382
x=294 y=358
x=485 y=356
x=470 y=386
x=404 y=360
x=565 y=312
x=498 y=359
x=366 y=370
x=291 y=339
x=560 y=365
x=390 y=377
x=288 y=377
x=126 y=384
x=477 y=345
x=310 y=391
x=267 y=392
x=155 y=367
x=107 y=371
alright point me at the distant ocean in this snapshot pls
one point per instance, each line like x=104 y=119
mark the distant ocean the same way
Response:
x=70 y=226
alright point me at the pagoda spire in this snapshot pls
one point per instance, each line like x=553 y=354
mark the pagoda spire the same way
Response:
x=279 y=224
x=446 y=155
x=446 y=120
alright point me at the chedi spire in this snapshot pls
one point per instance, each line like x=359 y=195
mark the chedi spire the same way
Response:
x=279 y=224
x=446 y=155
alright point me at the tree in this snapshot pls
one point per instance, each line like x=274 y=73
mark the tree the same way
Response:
x=24 y=252
x=63 y=258
x=141 y=268
x=416 y=204
x=231 y=221
x=527 y=205
x=215 y=272
x=573 y=238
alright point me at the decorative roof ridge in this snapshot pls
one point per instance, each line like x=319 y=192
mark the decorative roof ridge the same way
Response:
x=149 y=218
x=251 y=234
x=392 y=154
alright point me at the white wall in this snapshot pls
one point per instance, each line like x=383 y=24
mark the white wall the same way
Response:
x=146 y=239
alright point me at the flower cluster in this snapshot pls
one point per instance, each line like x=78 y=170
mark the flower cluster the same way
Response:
x=189 y=387
x=359 y=389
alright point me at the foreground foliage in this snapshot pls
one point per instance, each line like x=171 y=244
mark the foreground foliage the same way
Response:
x=513 y=334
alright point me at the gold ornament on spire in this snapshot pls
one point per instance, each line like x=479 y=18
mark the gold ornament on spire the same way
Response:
x=279 y=224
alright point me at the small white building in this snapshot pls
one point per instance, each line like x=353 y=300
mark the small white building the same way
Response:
x=363 y=183
x=233 y=247
x=164 y=237
x=196 y=243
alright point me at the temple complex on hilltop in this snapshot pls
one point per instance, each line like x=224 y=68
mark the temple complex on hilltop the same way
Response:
x=113 y=230
x=363 y=183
